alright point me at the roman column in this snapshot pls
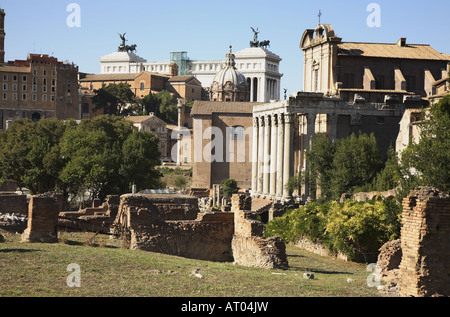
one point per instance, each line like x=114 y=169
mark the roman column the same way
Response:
x=280 y=152
x=332 y=126
x=260 y=157
x=287 y=153
x=255 y=156
x=266 y=175
x=273 y=159
x=310 y=132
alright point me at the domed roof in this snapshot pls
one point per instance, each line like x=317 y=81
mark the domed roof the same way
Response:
x=229 y=74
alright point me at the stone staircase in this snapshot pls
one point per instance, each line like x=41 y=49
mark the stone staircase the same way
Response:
x=261 y=205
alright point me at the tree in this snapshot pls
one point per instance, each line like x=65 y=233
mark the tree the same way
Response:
x=320 y=158
x=229 y=187
x=114 y=99
x=168 y=109
x=30 y=154
x=107 y=155
x=431 y=155
x=356 y=162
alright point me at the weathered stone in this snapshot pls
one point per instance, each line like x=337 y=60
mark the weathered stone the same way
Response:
x=43 y=218
x=425 y=243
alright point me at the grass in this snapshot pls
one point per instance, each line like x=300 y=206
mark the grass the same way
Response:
x=109 y=270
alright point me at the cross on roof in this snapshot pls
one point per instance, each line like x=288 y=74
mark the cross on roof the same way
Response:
x=319 y=15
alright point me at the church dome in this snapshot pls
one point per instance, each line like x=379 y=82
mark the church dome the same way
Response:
x=229 y=84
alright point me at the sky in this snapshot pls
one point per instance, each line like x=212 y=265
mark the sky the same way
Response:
x=206 y=28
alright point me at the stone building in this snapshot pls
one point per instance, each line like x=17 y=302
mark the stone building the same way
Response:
x=229 y=84
x=187 y=87
x=371 y=70
x=257 y=63
x=35 y=88
x=152 y=123
x=283 y=131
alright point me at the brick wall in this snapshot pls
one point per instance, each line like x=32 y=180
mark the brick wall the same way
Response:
x=249 y=246
x=43 y=213
x=425 y=242
x=13 y=203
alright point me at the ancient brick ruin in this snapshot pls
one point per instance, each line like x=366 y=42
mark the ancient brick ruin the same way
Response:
x=249 y=246
x=172 y=225
x=425 y=241
x=43 y=213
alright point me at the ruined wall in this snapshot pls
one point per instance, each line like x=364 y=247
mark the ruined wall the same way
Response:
x=172 y=224
x=249 y=246
x=43 y=213
x=13 y=203
x=425 y=242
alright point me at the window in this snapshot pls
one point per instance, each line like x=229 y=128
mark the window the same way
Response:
x=237 y=133
x=24 y=97
x=14 y=96
x=5 y=77
x=35 y=72
x=5 y=86
x=14 y=87
x=24 y=87
x=85 y=108
x=24 y=78
x=44 y=97
x=142 y=86
x=34 y=97
x=379 y=82
x=45 y=72
x=349 y=80
x=5 y=96
x=15 y=78
x=52 y=98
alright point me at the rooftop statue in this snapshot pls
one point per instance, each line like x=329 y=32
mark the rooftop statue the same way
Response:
x=126 y=48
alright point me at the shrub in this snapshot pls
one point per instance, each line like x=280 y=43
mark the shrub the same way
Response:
x=357 y=229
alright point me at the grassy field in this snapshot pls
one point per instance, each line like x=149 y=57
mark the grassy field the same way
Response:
x=110 y=270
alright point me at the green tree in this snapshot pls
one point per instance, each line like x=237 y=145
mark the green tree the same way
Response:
x=431 y=155
x=356 y=162
x=114 y=99
x=168 y=110
x=320 y=158
x=229 y=187
x=106 y=155
x=30 y=154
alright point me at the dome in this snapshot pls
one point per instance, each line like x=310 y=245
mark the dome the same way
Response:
x=229 y=84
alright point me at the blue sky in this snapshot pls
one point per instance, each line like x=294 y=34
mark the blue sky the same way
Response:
x=205 y=28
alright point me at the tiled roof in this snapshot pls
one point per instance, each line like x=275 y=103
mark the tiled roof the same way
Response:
x=209 y=107
x=409 y=51
x=109 y=77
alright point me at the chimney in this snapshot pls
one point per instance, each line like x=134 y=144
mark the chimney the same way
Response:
x=402 y=42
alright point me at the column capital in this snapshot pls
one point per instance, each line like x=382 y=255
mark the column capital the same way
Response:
x=274 y=120
x=288 y=118
x=268 y=120
x=255 y=122
x=261 y=121
x=311 y=117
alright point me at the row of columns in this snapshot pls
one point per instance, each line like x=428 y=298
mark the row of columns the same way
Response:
x=273 y=150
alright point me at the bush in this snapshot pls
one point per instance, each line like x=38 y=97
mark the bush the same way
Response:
x=357 y=229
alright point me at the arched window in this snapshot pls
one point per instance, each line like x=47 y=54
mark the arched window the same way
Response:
x=142 y=86
x=237 y=133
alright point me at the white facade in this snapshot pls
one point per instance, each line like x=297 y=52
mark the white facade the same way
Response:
x=258 y=65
